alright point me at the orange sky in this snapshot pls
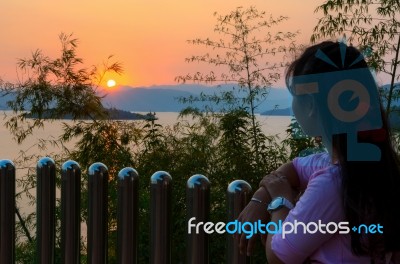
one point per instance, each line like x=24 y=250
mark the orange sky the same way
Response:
x=147 y=36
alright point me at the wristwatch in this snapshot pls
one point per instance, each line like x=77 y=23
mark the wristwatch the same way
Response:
x=278 y=203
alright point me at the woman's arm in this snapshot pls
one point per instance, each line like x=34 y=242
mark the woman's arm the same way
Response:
x=289 y=171
x=255 y=211
x=277 y=185
x=276 y=216
x=320 y=203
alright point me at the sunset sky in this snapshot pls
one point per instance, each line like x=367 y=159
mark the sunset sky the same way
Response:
x=147 y=37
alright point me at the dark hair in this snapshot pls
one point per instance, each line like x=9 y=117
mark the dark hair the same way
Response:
x=370 y=190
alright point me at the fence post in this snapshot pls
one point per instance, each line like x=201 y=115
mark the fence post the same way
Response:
x=198 y=206
x=160 y=192
x=70 y=212
x=7 y=211
x=128 y=210
x=239 y=193
x=97 y=248
x=46 y=203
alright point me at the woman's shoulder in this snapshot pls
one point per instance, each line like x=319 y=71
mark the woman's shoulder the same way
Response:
x=309 y=165
x=313 y=162
x=323 y=158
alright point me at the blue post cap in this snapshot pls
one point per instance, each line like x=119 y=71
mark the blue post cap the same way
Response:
x=96 y=168
x=70 y=165
x=127 y=172
x=160 y=176
x=6 y=163
x=45 y=161
x=238 y=186
x=198 y=180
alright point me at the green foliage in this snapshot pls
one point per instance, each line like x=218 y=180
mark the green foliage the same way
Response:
x=373 y=26
x=299 y=144
x=55 y=87
x=245 y=58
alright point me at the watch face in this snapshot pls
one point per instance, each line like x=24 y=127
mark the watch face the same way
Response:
x=276 y=203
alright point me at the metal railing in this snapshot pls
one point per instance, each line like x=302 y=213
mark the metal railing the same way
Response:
x=198 y=205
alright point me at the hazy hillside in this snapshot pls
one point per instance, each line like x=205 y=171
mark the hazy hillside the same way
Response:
x=278 y=112
x=165 y=98
x=145 y=99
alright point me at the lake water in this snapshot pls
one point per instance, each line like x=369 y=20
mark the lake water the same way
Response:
x=271 y=125
x=9 y=149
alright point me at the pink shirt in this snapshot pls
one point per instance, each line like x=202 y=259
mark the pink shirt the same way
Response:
x=320 y=201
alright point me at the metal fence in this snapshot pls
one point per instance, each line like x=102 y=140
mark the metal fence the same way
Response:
x=198 y=205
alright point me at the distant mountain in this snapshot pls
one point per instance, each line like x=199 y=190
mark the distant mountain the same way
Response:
x=114 y=114
x=145 y=99
x=164 y=98
x=4 y=100
x=278 y=112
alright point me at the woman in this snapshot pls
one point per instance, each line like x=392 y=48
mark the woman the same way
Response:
x=338 y=186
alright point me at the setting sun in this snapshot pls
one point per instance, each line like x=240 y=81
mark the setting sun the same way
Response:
x=111 y=83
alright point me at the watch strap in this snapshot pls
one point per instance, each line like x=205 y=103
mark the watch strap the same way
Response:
x=287 y=203
x=283 y=203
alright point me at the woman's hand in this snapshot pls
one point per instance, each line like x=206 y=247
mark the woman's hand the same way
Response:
x=277 y=185
x=253 y=212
